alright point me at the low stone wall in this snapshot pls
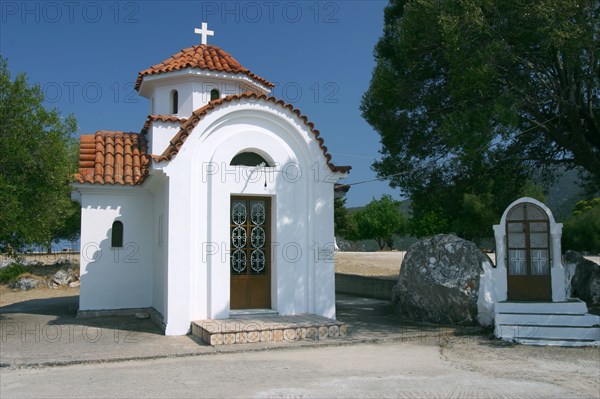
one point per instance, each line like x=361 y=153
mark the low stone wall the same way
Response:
x=371 y=287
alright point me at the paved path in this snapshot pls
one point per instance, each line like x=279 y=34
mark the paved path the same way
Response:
x=46 y=352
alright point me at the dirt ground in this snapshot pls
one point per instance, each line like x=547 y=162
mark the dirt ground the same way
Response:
x=381 y=264
x=8 y=296
x=45 y=271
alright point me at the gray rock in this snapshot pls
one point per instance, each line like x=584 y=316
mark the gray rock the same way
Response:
x=7 y=262
x=585 y=283
x=62 y=278
x=439 y=282
x=26 y=283
x=74 y=284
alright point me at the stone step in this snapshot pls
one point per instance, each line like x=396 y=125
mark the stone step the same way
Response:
x=574 y=306
x=585 y=320
x=267 y=328
x=555 y=342
x=242 y=313
x=517 y=332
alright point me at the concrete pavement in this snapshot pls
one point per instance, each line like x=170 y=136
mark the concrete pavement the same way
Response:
x=45 y=332
x=381 y=357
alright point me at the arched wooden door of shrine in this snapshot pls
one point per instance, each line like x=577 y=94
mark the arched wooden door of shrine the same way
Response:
x=528 y=253
x=250 y=255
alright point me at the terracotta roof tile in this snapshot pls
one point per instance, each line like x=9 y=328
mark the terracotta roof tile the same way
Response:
x=187 y=127
x=202 y=56
x=161 y=118
x=113 y=158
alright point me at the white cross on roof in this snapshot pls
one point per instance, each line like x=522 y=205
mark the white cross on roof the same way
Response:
x=204 y=32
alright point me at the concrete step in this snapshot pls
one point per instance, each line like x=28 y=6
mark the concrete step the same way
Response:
x=515 y=332
x=573 y=306
x=547 y=323
x=568 y=320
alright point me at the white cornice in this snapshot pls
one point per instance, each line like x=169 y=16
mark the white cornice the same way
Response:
x=149 y=81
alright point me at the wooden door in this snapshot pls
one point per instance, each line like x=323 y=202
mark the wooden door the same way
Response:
x=250 y=257
x=528 y=254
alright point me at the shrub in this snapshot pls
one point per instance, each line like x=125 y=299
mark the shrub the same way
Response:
x=11 y=272
x=582 y=229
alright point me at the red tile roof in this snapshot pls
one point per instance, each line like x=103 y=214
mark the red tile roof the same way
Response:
x=161 y=118
x=203 y=56
x=122 y=158
x=187 y=127
x=113 y=158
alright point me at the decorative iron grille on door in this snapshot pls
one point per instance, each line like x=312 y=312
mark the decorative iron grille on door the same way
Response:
x=249 y=236
x=250 y=253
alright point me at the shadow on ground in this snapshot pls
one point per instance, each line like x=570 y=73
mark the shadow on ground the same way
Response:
x=64 y=312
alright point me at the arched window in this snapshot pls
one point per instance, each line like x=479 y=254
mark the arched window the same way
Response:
x=116 y=240
x=174 y=101
x=248 y=159
x=214 y=94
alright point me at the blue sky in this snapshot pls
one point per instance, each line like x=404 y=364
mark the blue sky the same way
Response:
x=86 y=56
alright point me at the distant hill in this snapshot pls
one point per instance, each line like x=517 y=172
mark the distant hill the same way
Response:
x=562 y=196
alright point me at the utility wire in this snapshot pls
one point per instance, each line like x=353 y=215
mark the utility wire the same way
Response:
x=450 y=159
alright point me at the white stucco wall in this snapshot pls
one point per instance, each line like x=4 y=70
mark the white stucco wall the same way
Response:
x=201 y=183
x=162 y=99
x=159 y=135
x=116 y=278
x=160 y=189
x=194 y=87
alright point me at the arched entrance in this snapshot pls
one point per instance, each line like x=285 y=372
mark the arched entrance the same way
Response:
x=528 y=253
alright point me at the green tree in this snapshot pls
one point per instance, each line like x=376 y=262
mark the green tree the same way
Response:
x=472 y=97
x=344 y=225
x=426 y=223
x=582 y=229
x=379 y=220
x=37 y=158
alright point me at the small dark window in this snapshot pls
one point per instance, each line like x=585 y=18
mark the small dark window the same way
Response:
x=117 y=235
x=174 y=102
x=214 y=94
x=248 y=159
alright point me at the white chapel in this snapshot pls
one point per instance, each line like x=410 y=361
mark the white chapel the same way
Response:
x=222 y=201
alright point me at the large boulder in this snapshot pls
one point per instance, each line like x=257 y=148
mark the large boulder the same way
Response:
x=441 y=282
x=585 y=283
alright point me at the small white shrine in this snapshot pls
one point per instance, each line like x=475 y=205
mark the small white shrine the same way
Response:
x=222 y=202
x=531 y=286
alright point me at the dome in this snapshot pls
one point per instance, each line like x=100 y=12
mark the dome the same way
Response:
x=203 y=57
